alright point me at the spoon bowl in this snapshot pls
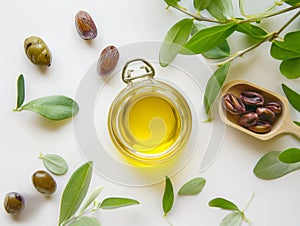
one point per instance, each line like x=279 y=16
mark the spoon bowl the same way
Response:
x=283 y=123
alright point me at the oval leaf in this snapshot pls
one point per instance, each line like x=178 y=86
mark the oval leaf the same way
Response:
x=270 y=167
x=173 y=3
x=75 y=191
x=251 y=30
x=192 y=187
x=21 y=91
x=297 y=123
x=292 y=96
x=86 y=221
x=290 y=41
x=282 y=54
x=218 y=52
x=114 y=203
x=235 y=218
x=168 y=197
x=201 y=4
x=91 y=198
x=175 y=38
x=290 y=68
x=223 y=204
x=54 y=163
x=55 y=107
x=291 y=155
x=292 y=2
x=214 y=85
x=208 y=38
x=221 y=9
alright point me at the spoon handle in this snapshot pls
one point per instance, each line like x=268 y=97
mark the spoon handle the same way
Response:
x=292 y=128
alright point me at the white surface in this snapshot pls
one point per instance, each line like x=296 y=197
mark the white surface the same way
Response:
x=24 y=134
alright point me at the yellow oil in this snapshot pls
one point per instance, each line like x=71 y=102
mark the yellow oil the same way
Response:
x=153 y=125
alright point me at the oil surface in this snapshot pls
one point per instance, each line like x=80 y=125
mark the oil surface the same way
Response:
x=153 y=125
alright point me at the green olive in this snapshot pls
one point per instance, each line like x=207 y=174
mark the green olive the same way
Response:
x=44 y=182
x=37 y=51
x=14 y=203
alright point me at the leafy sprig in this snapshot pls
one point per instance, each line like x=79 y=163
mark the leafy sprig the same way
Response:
x=190 y=188
x=223 y=25
x=236 y=216
x=74 y=196
x=56 y=107
x=276 y=164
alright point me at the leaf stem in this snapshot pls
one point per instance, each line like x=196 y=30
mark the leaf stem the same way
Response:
x=80 y=214
x=288 y=22
x=269 y=37
x=264 y=16
x=242 y=52
x=199 y=17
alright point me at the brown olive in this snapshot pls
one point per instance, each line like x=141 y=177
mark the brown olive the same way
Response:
x=14 y=203
x=44 y=182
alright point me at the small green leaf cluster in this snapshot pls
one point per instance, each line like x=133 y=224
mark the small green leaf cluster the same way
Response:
x=192 y=187
x=288 y=51
x=235 y=218
x=191 y=36
x=75 y=196
x=56 y=107
x=276 y=164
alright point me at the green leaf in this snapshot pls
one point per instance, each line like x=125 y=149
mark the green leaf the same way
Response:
x=114 y=203
x=292 y=2
x=175 y=38
x=282 y=54
x=55 y=107
x=54 y=163
x=235 y=218
x=86 y=221
x=221 y=9
x=297 y=123
x=201 y=4
x=223 y=204
x=290 y=41
x=75 y=191
x=290 y=68
x=292 y=96
x=214 y=85
x=91 y=198
x=168 y=197
x=173 y=3
x=218 y=52
x=251 y=30
x=21 y=91
x=290 y=155
x=192 y=187
x=270 y=167
x=208 y=38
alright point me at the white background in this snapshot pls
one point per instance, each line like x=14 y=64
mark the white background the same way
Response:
x=23 y=135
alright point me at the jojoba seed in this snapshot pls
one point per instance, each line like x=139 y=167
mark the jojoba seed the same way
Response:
x=108 y=60
x=37 y=51
x=252 y=98
x=44 y=182
x=14 y=203
x=85 y=25
x=233 y=104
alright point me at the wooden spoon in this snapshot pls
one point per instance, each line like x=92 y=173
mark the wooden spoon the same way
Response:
x=283 y=123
